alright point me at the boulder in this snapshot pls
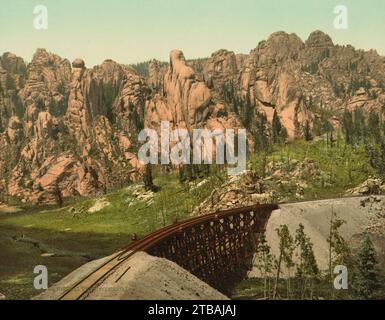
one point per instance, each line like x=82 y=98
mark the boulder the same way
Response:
x=372 y=186
x=78 y=63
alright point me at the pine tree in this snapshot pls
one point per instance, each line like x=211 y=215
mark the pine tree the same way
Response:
x=374 y=127
x=348 y=127
x=339 y=252
x=307 y=269
x=58 y=195
x=9 y=82
x=307 y=132
x=377 y=157
x=264 y=263
x=366 y=280
x=286 y=250
x=261 y=136
x=359 y=127
x=40 y=106
x=19 y=107
x=276 y=128
x=148 y=179
x=248 y=111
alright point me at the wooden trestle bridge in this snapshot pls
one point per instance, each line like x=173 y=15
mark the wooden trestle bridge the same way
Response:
x=217 y=248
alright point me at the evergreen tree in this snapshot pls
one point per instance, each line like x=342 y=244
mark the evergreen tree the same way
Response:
x=377 y=157
x=248 y=111
x=366 y=280
x=261 y=134
x=9 y=82
x=339 y=252
x=40 y=106
x=58 y=195
x=58 y=109
x=276 y=128
x=264 y=263
x=19 y=107
x=374 y=127
x=348 y=127
x=307 y=269
x=359 y=127
x=307 y=132
x=286 y=250
x=148 y=178
x=235 y=106
x=110 y=92
x=210 y=83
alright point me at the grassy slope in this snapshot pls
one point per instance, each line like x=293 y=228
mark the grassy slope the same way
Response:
x=141 y=217
x=344 y=165
x=101 y=233
x=92 y=234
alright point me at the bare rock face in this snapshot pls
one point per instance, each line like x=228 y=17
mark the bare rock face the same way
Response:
x=78 y=63
x=130 y=103
x=12 y=78
x=13 y=64
x=15 y=131
x=69 y=138
x=85 y=101
x=65 y=125
x=156 y=72
x=290 y=76
x=47 y=159
x=46 y=87
x=222 y=68
x=186 y=101
x=269 y=76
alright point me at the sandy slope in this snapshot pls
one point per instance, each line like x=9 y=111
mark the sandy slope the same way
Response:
x=148 y=278
x=315 y=216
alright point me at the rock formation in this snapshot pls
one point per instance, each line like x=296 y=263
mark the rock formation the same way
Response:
x=68 y=127
x=65 y=137
x=186 y=101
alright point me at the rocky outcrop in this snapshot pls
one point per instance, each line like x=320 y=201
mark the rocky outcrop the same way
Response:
x=156 y=72
x=68 y=139
x=46 y=87
x=240 y=191
x=302 y=80
x=57 y=117
x=372 y=186
x=222 y=69
x=129 y=106
x=85 y=102
x=12 y=78
x=186 y=101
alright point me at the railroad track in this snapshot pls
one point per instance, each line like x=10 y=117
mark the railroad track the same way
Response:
x=86 y=285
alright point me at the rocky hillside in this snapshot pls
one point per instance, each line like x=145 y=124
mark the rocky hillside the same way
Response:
x=309 y=81
x=60 y=132
x=67 y=130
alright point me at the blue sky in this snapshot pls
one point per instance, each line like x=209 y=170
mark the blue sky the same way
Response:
x=130 y=31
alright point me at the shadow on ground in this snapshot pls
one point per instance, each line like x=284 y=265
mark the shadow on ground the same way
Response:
x=61 y=252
